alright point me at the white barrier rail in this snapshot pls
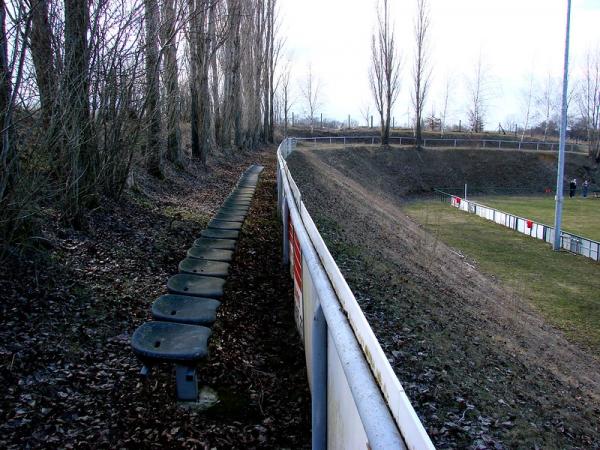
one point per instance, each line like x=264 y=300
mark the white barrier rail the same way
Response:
x=569 y=241
x=445 y=142
x=357 y=399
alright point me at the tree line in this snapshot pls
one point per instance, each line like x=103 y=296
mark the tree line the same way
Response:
x=541 y=104
x=90 y=89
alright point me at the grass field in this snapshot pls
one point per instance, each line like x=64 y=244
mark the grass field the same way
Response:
x=564 y=287
x=580 y=215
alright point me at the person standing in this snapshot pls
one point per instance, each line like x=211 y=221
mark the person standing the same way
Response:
x=584 y=188
x=572 y=187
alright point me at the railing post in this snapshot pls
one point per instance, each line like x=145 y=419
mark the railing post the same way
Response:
x=286 y=243
x=319 y=381
x=279 y=188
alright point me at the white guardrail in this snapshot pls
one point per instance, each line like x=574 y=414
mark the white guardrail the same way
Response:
x=357 y=399
x=445 y=142
x=569 y=241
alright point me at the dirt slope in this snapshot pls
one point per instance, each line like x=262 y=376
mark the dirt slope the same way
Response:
x=482 y=368
x=401 y=172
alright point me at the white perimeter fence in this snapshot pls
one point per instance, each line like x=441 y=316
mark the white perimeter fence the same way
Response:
x=568 y=241
x=445 y=142
x=357 y=399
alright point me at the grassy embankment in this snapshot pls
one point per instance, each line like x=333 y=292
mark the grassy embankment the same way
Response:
x=563 y=286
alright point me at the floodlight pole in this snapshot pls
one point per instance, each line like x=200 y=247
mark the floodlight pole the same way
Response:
x=563 y=136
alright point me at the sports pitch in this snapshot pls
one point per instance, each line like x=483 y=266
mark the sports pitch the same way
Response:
x=563 y=286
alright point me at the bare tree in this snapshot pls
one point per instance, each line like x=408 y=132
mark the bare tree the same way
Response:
x=311 y=91
x=384 y=73
x=444 y=116
x=527 y=106
x=232 y=101
x=478 y=97
x=589 y=102
x=421 y=69
x=547 y=102
x=286 y=100
x=365 y=112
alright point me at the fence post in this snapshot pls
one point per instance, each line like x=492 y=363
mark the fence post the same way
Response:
x=454 y=143
x=319 y=381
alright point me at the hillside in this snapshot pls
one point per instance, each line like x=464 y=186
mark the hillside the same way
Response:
x=401 y=172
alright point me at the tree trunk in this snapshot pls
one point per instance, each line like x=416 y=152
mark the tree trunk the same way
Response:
x=8 y=156
x=77 y=127
x=153 y=117
x=43 y=59
x=193 y=77
x=169 y=42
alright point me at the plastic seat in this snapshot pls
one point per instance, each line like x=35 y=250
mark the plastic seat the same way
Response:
x=234 y=203
x=230 y=217
x=220 y=234
x=212 y=254
x=185 y=309
x=155 y=342
x=225 y=244
x=204 y=267
x=234 y=210
x=196 y=286
x=224 y=225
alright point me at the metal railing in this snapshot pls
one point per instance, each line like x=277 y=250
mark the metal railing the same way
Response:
x=568 y=241
x=357 y=399
x=445 y=142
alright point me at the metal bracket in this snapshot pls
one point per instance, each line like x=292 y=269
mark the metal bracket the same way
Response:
x=187 y=383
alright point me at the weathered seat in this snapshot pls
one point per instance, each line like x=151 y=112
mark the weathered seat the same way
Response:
x=204 y=267
x=155 y=342
x=220 y=234
x=196 y=285
x=225 y=244
x=240 y=197
x=212 y=254
x=185 y=309
x=234 y=210
x=224 y=225
x=230 y=217
x=182 y=344
x=255 y=168
x=234 y=203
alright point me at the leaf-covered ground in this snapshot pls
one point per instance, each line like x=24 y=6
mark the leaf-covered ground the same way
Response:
x=68 y=377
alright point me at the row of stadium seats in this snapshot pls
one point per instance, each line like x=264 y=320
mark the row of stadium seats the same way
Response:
x=180 y=330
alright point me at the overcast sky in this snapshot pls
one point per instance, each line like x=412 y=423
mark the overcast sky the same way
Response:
x=515 y=38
